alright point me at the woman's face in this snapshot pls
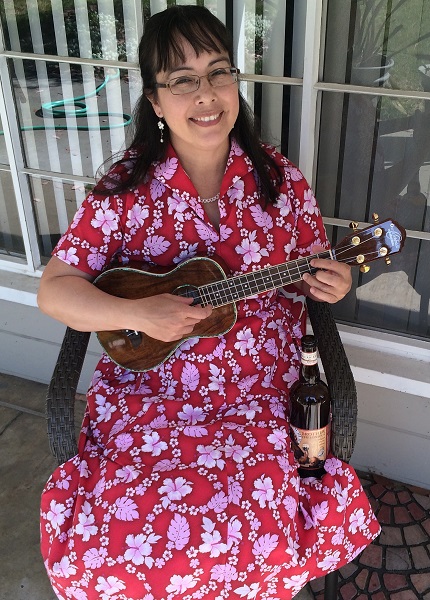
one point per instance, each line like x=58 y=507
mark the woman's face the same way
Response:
x=200 y=120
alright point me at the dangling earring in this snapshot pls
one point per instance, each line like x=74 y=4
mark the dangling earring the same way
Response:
x=161 y=128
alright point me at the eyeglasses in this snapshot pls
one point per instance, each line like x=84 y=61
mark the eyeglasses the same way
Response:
x=190 y=83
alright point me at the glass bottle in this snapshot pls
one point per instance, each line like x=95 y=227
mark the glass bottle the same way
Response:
x=310 y=416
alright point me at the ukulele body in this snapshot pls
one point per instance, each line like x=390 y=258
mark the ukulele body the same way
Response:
x=138 y=351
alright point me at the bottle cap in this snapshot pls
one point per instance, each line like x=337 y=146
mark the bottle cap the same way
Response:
x=309 y=343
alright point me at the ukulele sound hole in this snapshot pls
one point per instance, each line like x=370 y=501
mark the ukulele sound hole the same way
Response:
x=135 y=337
x=188 y=291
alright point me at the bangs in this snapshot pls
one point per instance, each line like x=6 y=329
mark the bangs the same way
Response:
x=168 y=32
x=170 y=42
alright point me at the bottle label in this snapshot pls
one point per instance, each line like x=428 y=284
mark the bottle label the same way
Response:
x=311 y=446
x=309 y=358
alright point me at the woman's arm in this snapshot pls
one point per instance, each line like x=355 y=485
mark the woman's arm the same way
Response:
x=67 y=294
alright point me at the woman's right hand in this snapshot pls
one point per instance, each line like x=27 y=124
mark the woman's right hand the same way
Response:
x=166 y=317
x=68 y=295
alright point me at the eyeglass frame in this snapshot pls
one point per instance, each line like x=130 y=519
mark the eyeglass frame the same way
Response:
x=233 y=71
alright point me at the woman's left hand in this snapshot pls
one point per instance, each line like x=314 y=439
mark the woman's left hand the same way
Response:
x=330 y=283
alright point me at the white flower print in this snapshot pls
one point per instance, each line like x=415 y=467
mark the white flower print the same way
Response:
x=124 y=441
x=153 y=443
x=264 y=491
x=249 y=410
x=86 y=527
x=278 y=438
x=191 y=414
x=210 y=457
x=248 y=591
x=78 y=216
x=136 y=215
x=225 y=232
x=225 y=572
x=357 y=521
x=245 y=342
x=236 y=192
x=310 y=204
x=217 y=379
x=296 y=582
x=211 y=540
x=235 y=451
x=247 y=382
x=234 y=535
x=76 y=593
x=333 y=466
x=341 y=496
x=294 y=172
x=176 y=489
x=127 y=473
x=140 y=548
x=338 y=537
x=177 y=207
x=179 y=584
x=64 y=568
x=57 y=514
x=251 y=250
x=284 y=205
x=104 y=408
x=68 y=256
x=329 y=561
x=105 y=218
x=109 y=587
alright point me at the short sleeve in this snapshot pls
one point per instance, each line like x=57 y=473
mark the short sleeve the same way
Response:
x=95 y=234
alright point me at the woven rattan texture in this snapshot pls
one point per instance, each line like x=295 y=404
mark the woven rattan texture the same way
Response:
x=60 y=398
x=339 y=379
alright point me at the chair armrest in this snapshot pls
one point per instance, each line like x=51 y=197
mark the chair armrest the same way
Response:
x=339 y=377
x=60 y=397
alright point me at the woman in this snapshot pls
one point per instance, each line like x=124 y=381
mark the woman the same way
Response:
x=185 y=483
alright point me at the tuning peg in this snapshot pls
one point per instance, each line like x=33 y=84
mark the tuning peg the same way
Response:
x=354 y=225
x=387 y=260
x=364 y=268
x=375 y=218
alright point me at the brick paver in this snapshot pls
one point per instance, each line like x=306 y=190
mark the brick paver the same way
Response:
x=396 y=566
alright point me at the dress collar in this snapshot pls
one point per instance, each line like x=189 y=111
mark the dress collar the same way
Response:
x=170 y=173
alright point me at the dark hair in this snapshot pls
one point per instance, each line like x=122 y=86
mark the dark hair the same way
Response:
x=161 y=48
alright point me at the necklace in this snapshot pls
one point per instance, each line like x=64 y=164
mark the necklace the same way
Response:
x=208 y=200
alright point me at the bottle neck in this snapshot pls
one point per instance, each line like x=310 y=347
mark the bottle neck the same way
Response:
x=309 y=371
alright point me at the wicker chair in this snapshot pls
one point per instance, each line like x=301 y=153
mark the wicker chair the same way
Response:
x=62 y=390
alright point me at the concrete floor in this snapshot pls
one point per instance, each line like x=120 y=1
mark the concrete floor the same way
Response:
x=26 y=464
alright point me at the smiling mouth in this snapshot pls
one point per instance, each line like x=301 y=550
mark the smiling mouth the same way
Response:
x=207 y=120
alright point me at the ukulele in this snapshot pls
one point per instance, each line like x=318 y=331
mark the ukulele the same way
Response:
x=204 y=279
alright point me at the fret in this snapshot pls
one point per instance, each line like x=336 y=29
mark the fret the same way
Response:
x=239 y=287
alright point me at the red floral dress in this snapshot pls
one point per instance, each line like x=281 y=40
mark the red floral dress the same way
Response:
x=185 y=485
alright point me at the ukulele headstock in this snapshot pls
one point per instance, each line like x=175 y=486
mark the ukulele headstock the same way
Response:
x=380 y=240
